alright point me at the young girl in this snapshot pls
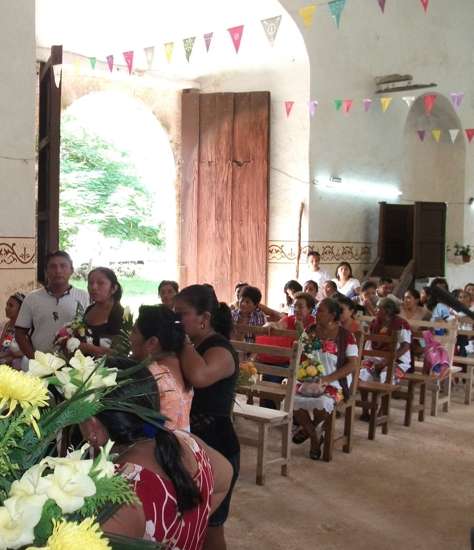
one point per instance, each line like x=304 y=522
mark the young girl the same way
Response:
x=347 y=284
x=10 y=353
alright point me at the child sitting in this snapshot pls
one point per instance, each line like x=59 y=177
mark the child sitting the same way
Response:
x=249 y=312
x=10 y=353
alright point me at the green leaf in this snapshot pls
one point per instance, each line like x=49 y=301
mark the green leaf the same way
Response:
x=45 y=526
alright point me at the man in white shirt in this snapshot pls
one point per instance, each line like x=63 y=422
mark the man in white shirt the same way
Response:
x=46 y=310
x=315 y=273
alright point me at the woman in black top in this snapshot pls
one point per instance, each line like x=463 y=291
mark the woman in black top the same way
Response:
x=104 y=316
x=211 y=365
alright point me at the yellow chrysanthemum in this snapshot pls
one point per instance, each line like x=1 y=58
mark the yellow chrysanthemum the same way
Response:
x=71 y=536
x=19 y=389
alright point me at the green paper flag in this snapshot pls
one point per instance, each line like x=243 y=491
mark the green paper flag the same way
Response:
x=338 y=104
x=92 y=61
x=336 y=7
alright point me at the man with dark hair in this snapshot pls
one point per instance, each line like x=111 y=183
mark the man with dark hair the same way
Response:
x=367 y=300
x=385 y=290
x=48 y=309
x=315 y=273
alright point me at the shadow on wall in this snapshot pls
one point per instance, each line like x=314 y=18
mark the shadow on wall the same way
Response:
x=435 y=171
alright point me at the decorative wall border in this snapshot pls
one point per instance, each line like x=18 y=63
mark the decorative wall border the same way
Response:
x=17 y=252
x=332 y=252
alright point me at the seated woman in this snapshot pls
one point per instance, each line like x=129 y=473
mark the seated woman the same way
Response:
x=411 y=309
x=159 y=336
x=302 y=318
x=469 y=288
x=178 y=479
x=439 y=310
x=249 y=312
x=348 y=315
x=104 y=316
x=338 y=354
x=311 y=287
x=387 y=322
x=167 y=291
x=10 y=353
x=346 y=283
x=237 y=294
x=290 y=289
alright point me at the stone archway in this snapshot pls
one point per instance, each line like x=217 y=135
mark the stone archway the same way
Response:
x=436 y=170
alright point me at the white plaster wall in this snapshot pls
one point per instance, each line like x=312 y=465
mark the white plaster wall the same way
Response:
x=433 y=47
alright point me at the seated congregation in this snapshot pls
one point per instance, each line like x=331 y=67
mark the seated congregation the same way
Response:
x=174 y=431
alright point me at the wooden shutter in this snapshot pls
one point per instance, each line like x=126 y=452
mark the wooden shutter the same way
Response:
x=224 y=195
x=48 y=159
x=430 y=239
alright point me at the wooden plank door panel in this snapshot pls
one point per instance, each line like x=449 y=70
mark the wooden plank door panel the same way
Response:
x=429 y=239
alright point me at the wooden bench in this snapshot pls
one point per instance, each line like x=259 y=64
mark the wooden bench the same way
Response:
x=376 y=396
x=266 y=419
x=468 y=364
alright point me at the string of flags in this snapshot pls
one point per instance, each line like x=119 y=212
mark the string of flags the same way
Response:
x=436 y=134
x=270 y=27
x=345 y=105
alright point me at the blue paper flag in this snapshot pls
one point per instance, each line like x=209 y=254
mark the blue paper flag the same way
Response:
x=336 y=7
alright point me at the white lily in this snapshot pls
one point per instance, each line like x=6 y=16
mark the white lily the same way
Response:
x=64 y=378
x=81 y=363
x=17 y=522
x=44 y=364
x=30 y=489
x=103 y=466
x=71 y=460
x=100 y=380
x=68 y=486
x=73 y=344
x=127 y=314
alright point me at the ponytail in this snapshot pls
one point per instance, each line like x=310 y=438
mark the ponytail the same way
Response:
x=168 y=454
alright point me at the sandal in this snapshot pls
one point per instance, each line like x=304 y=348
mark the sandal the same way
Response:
x=300 y=436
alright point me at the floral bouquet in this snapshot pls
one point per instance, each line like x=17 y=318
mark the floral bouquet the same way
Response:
x=69 y=338
x=53 y=502
x=248 y=374
x=311 y=368
x=121 y=343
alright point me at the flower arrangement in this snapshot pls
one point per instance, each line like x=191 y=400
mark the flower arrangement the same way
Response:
x=121 y=344
x=248 y=374
x=311 y=368
x=69 y=338
x=51 y=501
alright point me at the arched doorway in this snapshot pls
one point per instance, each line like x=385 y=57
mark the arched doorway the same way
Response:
x=118 y=199
x=436 y=169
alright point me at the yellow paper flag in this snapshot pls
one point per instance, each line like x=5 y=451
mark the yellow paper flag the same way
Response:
x=169 y=51
x=436 y=135
x=77 y=66
x=307 y=14
x=385 y=102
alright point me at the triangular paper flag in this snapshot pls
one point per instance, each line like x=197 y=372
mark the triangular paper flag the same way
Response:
x=346 y=105
x=208 y=39
x=367 y=102
x=421 y=134
x=454 y=135
x=385 y=103
x=382 y=5
x=271 y=26
x=128 y=56
x=93 y=61
x=110 y=62
x=307 y=14
x=425 y=3
x=188 y=44
x=288 y=107
x=409 y=100
x=338 y=104
x=57 y=71
x=436 y=134
x=150 y=56
x=313 y=105
x=469 y=134
x=236 y=35
x=429 y=101
x=456 y=99
x=169 y=51
x=336 y=7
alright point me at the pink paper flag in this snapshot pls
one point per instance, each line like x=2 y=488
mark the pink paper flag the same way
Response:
x=313 y=105
x=288 y=107
x=128 y=56
x=470 y=134
x=110 y=62
x=456 y=99
x=367 y=104
x=429 y=101
x=236 y=35
x=208 y=39
x=382 y=5
x=425 y=3
x=346 y=105
x=421 y=134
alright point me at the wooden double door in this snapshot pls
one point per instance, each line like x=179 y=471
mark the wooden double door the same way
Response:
x=224 y=193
